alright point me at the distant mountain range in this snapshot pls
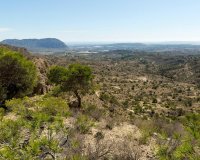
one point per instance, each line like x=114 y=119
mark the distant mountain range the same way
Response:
x=136 y=46
x=53 y=45
x=38 y=45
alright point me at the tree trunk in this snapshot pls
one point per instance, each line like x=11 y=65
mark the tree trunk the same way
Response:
x=78 y=98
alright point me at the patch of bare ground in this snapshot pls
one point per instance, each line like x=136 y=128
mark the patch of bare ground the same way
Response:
x=143 y=78
x=10 y=116
x=120 y=142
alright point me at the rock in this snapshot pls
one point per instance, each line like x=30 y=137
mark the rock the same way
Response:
x=117 y=87
x=155 y=134
x=73 y=104
x=42 y=68
x=64 y=141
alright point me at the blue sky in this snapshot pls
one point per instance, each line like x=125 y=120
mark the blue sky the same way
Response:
x=101 y=20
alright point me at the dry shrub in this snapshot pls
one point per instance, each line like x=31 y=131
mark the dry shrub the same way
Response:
x=161 y=126
x=100 y=150
x=126 y=150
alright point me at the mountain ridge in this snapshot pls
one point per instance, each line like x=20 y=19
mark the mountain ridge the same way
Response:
x=44 y=44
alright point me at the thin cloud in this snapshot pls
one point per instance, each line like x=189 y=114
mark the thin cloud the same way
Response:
x=75 y=31
x=82 y=31
x=2 y=29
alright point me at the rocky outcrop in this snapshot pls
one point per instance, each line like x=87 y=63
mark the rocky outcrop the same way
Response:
x=42 y=68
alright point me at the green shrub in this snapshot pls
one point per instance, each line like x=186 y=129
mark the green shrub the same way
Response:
x=163 y=153
x=34 y=147
x=40 y=110
x=18 y=75
x=19 y=106
x=113 y=100
x=145 y=137
x=52 y=106
x=138 y=109
x=93 y=111
x=10 y=132
x=104 y=97
x=99 y=136
x=192 y=123
x=77 y=79
x=125 y=104
x=2 y=113
x=84 y=123
x=184 y=151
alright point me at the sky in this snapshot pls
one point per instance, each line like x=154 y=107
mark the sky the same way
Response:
x=101 y=20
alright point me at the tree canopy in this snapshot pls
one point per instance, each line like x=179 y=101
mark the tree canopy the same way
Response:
x=18 y=75
x=76 y=78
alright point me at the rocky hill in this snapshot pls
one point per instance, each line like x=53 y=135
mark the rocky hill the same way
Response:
x=38 y=45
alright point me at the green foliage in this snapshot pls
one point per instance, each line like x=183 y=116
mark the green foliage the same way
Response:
x=138 y=109
x=32 y=132
x=34 y=146
x=2 y=113
x=17 y=75
x=188 y=102
x=19 y=106
x=40 y=110
x=125 y=104
x=93 y=111
x=2 y=93
x=78 y=157
x=56 y=92
x=77 y=79
x=44 y=107
x=192 y=123
x=184 y=146
x=54 y=106
x=13 y=146
x=185 y=150
x=144 y=137
x=113 y=100
x=84 y=123
x=104 y=97
x=10 y=132
x=57 y=74
x=162 y=153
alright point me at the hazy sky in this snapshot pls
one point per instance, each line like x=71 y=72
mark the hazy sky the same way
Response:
x=101 y=20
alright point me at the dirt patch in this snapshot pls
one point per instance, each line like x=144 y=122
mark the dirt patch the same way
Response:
x=142 y=79
x=122 y=138
x=10 y=116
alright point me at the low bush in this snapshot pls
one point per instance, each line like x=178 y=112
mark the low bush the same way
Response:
x=93 y=111
x=83 y=124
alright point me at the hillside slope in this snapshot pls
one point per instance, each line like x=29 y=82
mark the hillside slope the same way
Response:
x=46 y=44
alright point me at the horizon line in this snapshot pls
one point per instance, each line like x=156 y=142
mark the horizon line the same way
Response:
x=96 y=41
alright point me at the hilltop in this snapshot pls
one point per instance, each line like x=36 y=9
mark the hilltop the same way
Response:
x=38 y=45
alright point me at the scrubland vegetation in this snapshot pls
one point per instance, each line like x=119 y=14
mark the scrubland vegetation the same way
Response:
x=100 y=106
